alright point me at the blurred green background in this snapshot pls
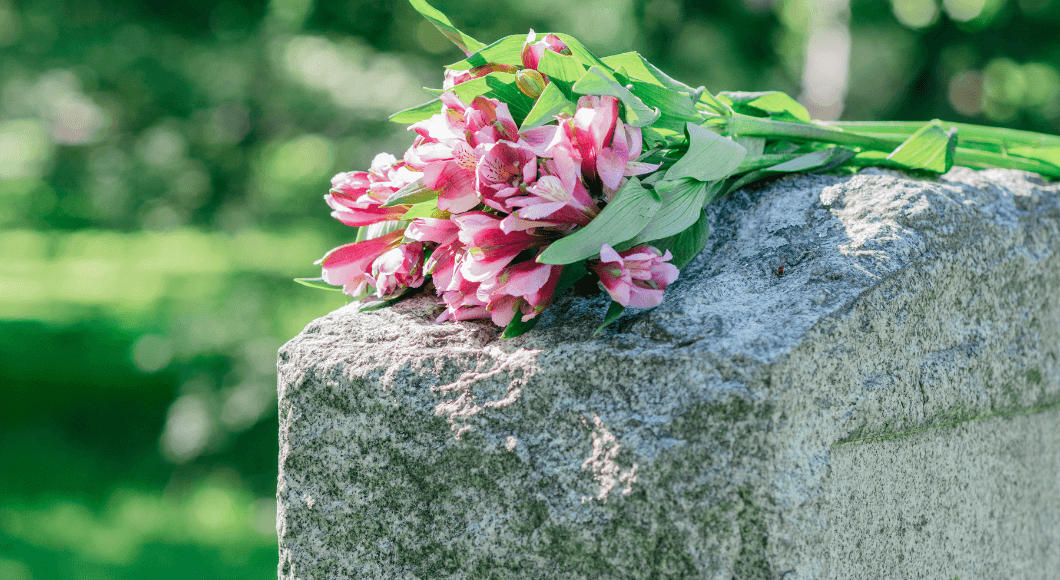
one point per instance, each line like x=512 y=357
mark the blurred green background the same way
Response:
x=162 y=167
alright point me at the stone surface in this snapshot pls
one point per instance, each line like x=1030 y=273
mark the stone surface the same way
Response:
x=889 y=407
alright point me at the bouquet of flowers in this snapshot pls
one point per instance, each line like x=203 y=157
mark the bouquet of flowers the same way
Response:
x=538 y=164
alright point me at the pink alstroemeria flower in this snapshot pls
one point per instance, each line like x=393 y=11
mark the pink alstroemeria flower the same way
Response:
x=533 y=48
x=525 y=288
x=397 y=270
x=442 y=264
x=350 y=266
x=356 y=196
x=636 y=277
x=489 y=248
x=605 y=147
x=558 y=199
x=502 y=171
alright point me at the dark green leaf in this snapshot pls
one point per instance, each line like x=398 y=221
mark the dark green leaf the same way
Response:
x=631 y=209
x=600 y=81
x=318 y=283
x=613 y=312
x=412 y=193
x=507 y=50
x=548 y=105
x=686 y=245
x=570 y=275
x=634 y=63
x=682 y=202
x=931 y=148
x=558 y=67
x=418 y=113
x=710 y=156
x=464 y=42
x=517 y=327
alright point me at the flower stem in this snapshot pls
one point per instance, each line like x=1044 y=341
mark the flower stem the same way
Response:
x=745 y=125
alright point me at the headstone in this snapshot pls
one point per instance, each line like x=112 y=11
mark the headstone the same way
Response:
x=886 y=406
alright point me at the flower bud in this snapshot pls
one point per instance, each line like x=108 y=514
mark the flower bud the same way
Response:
x=530 y=82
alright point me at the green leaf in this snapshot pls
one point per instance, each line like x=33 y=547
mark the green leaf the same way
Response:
x=774 y=104
x=558 y=67
x=682 y=202
x=425 y=209
x=570 y=275
x=318 y=283
x=500 y=86
x=686 y=245
x=412 y=193
x=507 y=50
x=820 y=160
x=517 y=327
x=550 y=103
x=418 y=113
x=634 y=63
x=435 y=92
x=710 y=156
x=778 y=104
x=599 y=81
x=631 y=209
x=669 y=102
x=464 y=42
x=584 y=55
x=613 y=312
x=1049 y=155
x=931 y=148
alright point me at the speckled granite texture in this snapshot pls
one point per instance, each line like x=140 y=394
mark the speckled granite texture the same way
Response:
x=888 y=408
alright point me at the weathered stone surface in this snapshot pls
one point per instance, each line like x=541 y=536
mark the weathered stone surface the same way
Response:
x=887 y=408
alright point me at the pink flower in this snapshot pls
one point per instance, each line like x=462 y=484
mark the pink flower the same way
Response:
x=356 y=196
x=637 y=277
x=442 y=264
x=558 y=199
x=451 y=143
x=605 y=147
x=532 y=50
x=489 y=248
x=502 y=171
x=525 y=288
x=350 y=266
x=397 y=270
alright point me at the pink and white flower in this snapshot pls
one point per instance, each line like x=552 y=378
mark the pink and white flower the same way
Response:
x=524 y=289
x=489 y=248
x=356 y=197
x=350 y=266
x=636 y=277
x=397 y=270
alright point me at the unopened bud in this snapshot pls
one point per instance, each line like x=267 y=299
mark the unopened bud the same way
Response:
x=530 y=82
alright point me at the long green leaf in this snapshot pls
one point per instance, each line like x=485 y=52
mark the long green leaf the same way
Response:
x=710 y=156
x=318 y=283
x=441 y=22
x=930 y=149
x=550 y=103
x=682 y=201
x=417 y=113
x=614 y=310
x=631 y=209
x=1045 y=154
x=775 y=104
x=599 y=81
x=508 y=50
x=819 y=160
x=686 y=245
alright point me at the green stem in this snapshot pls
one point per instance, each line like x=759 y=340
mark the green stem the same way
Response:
x=986 y=160
x=965 y=132
x=745 y=125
